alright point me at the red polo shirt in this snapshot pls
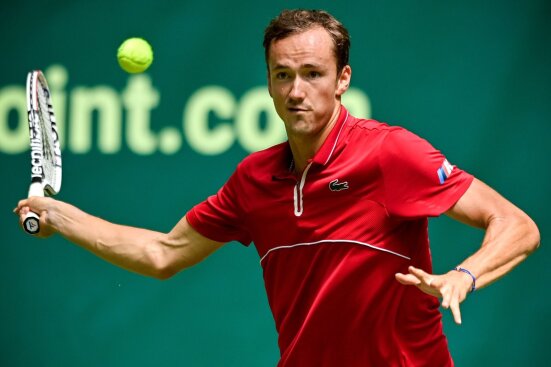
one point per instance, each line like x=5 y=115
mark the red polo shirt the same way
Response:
x=331 y=240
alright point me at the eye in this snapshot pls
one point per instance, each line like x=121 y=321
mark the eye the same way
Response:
x=314 y=74
x=281 y=75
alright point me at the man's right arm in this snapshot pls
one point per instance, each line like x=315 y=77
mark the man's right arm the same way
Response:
x=150 y=253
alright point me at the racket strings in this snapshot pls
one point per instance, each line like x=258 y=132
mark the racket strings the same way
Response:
x=47 y=139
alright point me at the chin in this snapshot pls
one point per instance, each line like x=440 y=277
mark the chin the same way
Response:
x=302 y=128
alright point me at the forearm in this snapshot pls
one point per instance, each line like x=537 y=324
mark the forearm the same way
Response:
x=135 y=249
x=508 y=241
x=510 y=237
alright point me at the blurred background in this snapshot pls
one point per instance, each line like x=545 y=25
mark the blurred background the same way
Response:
x=473 y=78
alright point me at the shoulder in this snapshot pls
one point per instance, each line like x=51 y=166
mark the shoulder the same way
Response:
x=388 y=141
x=376 y=131
x=367 y=124
x=373 y=127
x=261 y=156
x=404 y=144
x=267 y=160
x=392 y=134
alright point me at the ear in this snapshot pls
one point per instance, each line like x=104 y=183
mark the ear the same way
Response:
x=343 y=82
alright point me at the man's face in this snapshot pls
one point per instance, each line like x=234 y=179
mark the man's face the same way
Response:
x=303 y=81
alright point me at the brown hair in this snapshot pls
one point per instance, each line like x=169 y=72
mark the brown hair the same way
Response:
x=290 y=22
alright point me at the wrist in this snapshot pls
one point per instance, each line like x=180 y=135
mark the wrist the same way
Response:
x=470 y=275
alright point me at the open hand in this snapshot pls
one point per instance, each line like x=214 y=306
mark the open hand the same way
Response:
x=452 y=287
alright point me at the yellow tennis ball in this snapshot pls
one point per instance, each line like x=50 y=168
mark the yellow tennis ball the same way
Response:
x=135 y=55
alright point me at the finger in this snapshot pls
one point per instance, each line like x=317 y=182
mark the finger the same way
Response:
x=456 y=312
x=23 y=212
x=423 y=276
x=416 y=271
x=445 y=299
x=407 y=279
x=21 y=204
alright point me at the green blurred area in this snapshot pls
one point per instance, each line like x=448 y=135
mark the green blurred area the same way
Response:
x=472 y=78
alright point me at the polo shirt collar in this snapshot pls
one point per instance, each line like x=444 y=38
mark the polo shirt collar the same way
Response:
x=324 y=153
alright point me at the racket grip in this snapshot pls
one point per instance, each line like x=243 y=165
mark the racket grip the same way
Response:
x=31 y=223
x=36 y=189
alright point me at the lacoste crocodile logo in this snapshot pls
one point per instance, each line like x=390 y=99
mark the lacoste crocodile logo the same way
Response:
x=335 y=185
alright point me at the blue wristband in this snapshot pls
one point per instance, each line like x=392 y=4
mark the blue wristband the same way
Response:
x=473 y=286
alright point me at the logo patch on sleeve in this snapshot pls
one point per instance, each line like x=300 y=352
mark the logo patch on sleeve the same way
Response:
x=444 y=171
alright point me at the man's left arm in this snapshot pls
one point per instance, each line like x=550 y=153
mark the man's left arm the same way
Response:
x=511 y=235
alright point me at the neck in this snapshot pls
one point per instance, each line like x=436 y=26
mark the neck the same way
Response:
x=304 y=146
x=302 y=152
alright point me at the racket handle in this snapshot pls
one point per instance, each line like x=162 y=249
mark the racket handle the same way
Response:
x=36 y=189
x=31 y=223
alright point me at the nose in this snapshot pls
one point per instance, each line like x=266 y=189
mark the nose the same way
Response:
x=297 y=91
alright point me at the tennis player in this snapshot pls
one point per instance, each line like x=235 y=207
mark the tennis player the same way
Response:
x=338 y=215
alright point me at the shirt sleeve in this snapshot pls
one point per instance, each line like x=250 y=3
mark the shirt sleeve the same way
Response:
x=418 y=180
x=220 y=217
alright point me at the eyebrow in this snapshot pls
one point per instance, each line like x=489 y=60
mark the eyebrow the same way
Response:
x=303 y=66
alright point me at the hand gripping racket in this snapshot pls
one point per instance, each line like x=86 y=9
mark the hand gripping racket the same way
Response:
x=44 y=141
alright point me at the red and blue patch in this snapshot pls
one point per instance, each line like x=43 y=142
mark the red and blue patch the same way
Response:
x=444 y=171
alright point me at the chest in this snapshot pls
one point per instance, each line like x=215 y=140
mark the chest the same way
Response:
x=341 y=201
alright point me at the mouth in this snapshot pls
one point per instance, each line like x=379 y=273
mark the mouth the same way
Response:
x=297 y=109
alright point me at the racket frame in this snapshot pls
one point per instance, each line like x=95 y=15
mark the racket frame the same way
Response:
x=39 y=136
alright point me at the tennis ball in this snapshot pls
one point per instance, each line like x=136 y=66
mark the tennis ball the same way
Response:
x=135 y=55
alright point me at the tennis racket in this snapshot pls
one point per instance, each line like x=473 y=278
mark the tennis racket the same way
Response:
x=44 y=141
